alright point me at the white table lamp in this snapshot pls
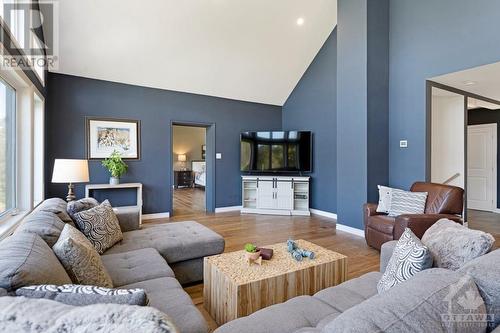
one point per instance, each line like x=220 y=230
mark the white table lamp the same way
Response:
x=70 y=171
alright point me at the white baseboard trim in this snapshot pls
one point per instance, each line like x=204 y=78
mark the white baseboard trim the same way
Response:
x=341 y=227
x=227 y=209
x=165 y=215
x=323 y=213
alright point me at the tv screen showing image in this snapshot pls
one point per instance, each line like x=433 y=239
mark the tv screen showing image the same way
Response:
x=275 y=152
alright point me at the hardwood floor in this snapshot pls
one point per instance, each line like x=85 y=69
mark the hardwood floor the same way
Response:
x=485 y=221
x=265 y=229
x=189 y=201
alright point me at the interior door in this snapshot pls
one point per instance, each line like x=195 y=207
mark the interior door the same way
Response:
x=284 y=195
x=265 y=197
x=481 y=167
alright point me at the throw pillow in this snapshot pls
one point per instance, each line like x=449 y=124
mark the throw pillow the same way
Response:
x=80 y=259
x=410 y=256
x=384 y=199
x=100 y=225
x=405 y=202
x=81 y=205
x=452 y=245
x=43 y=223
x=56 y=206
x=25 y=259
x=74 y=294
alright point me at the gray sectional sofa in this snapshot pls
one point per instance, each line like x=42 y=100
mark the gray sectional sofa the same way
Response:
x=156 y=258
x=421 y=304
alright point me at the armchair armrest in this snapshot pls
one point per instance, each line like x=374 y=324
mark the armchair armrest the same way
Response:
x=370 y=209
x=128 y=217
x=419 y=223
x=386 y=253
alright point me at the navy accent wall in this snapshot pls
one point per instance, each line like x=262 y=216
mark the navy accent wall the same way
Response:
x=486 y=116
x=313 y=106
x=71 y=98
x=430 y=38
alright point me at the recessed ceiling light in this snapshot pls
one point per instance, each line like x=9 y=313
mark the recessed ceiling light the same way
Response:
x=300 y=21
x=469 y=83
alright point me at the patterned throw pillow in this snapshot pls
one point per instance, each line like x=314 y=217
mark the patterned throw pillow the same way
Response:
x=384 y=199
x=74 y=294
x=410 y=256
x=405 y=202
x=80 y=259
x=100 y=225
x=77 y=206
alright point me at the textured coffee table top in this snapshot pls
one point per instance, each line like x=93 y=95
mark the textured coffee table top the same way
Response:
x=234 y=264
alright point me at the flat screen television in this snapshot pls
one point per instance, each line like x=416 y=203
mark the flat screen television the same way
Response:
x=276 y=152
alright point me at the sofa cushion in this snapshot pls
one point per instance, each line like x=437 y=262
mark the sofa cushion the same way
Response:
x=43 y=223
x=77 y=206
x=56 y=206
x=452 y=245
x=80 y=259
x=381 y=223
x=485 y=271
x=350 y=293
x=135 y=266
x=428 y=302
x=167 y=295
x=20 y=314
x=77 y=294
x=296 y=313
x=175 y=241
x=410 y=257
x=100 y=225
x=25 y=259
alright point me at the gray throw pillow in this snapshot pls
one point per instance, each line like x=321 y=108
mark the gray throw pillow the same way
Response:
x=100 y=225
x=81 y=205
x=43 y=223
x=405 y=202
x=25 y=259
x=452 y=245
x=410 y=256
x=485 y=271
x=56 y=206
x=80 y=259
x=75 y=294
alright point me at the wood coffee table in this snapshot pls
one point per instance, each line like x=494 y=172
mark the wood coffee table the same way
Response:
x=233 y=288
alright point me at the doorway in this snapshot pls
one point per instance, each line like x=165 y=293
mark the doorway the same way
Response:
x=193 y=168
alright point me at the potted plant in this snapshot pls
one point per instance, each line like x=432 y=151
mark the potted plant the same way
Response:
x=115 y=166
x=251 y=252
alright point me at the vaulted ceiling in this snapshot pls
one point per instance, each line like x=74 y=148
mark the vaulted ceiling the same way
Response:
x=251 y=50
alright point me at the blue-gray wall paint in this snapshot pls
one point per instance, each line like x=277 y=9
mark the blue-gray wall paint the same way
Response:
x=486 y=116
x=430 y=38
x=71 y=99
x=313 y=106
x=362 y=99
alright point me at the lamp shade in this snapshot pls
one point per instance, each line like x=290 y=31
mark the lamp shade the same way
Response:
x=181 y=158
x=70 y=171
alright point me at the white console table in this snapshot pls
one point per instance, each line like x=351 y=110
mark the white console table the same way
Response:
x=275 y=195
x=138 y=187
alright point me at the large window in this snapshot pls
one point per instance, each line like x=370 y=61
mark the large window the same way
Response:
x=7 y=148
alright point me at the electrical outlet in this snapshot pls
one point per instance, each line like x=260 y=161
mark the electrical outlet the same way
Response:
x=403 y=143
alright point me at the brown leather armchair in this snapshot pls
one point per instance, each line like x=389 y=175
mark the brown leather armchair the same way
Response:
x=443 y=201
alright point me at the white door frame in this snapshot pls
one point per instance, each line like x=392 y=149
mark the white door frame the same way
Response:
x=494 y=128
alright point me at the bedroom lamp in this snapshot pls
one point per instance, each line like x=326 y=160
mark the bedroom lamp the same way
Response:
x=70 y=171
x=182 y=158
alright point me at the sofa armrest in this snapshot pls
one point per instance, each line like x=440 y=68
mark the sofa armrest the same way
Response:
x=386 y=253
x=370 y=209
x=419 y=223
x=128 y=217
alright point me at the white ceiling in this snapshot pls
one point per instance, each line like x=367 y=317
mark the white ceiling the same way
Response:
x=482 y=80
x=251 y=50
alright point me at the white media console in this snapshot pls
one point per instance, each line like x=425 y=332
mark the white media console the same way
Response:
x=275 y=195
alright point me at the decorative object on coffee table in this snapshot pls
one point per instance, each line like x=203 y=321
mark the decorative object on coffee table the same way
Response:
x=266 y=254
x=70 y=171
x=115 y=166
x=233 y=289
x=104 y=136
x=252 y=254
x=298 y=253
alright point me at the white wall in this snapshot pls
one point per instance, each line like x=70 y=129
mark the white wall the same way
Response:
x=187 y=140
x=447 y=141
